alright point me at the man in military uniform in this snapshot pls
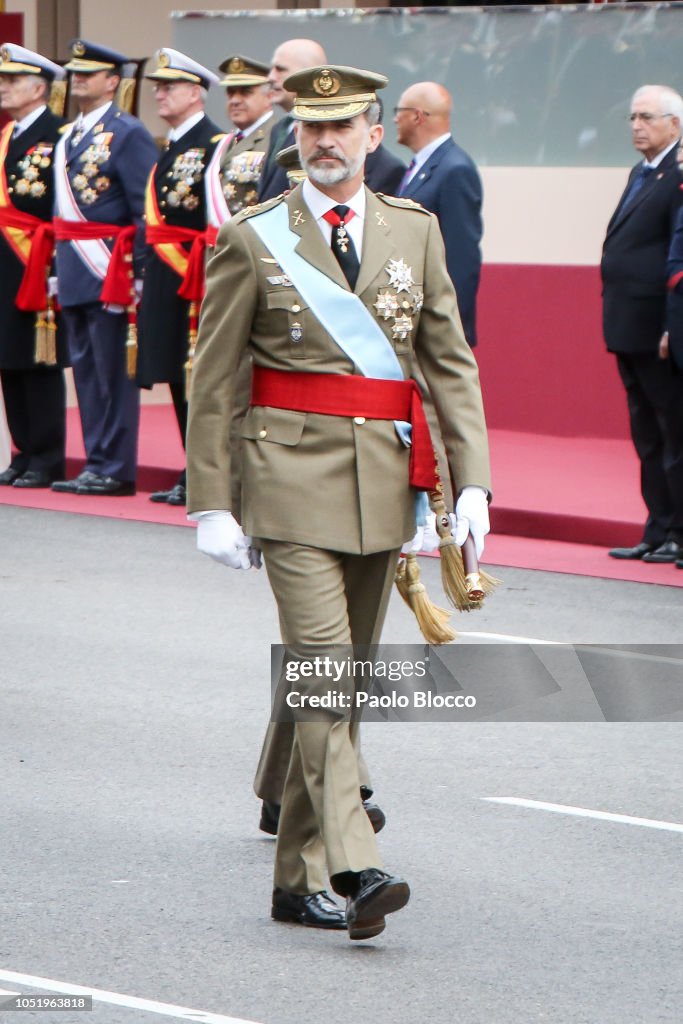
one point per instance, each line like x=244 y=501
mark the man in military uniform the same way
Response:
x=101 y=166
x=250 y=109
x=32 y=379
x=334 y=291
x=175 y=209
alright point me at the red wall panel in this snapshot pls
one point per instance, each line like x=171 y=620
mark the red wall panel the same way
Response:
x=543 y=363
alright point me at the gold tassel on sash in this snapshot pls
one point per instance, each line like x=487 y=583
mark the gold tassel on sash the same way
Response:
x=193 y=315
x=132 y=343
x=40 y=349
x=432 y=620
x=51 y=334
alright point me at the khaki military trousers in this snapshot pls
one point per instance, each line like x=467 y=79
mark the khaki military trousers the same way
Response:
x=327 y=599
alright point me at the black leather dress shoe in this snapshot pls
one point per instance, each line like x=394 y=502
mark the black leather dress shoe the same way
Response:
x=270 y=815
x=71 y=486
x=8 y=477
x=376 y=895
x=33 y=478
x=176 y=496
x=636 y=552
x=374 y=812
x=108 y=486
x=669 y=551
x=679 y=563
x=316 y=911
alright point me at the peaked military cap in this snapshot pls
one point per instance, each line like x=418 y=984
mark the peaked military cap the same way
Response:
x=174 y=66
x=332 y=93
x=17 y=60
x=87 y=58
x=242 y=71
x=291 y=161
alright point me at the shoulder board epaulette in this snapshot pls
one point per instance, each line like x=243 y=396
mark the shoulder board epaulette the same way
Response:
x=217 y=138
x=401 y=201
x=253 y=211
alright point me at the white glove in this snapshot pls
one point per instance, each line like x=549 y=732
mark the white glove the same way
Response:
x=411 y=547
x=220 y=536
x=472 y=516
x=426 y=539
x=138 y=283
x=52 y=287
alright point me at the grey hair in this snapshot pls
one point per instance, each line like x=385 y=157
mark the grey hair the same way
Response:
x=204 y=93
x=374 y=113
x=670 y=102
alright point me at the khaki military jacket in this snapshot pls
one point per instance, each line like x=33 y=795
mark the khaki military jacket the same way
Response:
x=241 y=166
x=329 y=481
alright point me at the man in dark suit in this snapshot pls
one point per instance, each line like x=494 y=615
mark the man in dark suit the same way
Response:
x=32 y=378
x=291 y=56
x=634 y=276
x=384 y=172
x=175 y=211
x=444 y=179
x=102 y=163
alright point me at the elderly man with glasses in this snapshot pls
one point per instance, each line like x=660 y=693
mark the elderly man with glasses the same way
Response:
x=634 y=278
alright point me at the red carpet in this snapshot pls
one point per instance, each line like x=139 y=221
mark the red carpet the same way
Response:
x=559 y=501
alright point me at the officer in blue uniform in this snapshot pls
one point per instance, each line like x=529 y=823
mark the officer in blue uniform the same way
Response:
x=101 y=168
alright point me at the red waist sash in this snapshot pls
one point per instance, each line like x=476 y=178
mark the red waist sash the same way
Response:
x=333 y=394
x=117 y=288
x=32 y=294
x=192 y=284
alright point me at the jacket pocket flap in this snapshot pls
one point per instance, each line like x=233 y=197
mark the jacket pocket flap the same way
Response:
x=282 y=426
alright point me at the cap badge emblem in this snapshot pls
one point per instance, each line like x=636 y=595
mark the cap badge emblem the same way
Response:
x=327 y=83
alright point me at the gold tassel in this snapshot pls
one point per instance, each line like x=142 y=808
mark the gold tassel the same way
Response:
x=40 y=349
x=57 y=100
x=132 y=348
x=465 y=590
x=432 y=620
x=191 y=345
x=51 y=335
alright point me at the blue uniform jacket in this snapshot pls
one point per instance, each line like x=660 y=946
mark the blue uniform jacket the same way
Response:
x=108 y=171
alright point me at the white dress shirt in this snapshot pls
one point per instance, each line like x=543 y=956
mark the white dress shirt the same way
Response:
x=319 y=204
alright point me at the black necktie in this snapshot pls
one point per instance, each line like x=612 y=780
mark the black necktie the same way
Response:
x=342 y=244
x=636 y=185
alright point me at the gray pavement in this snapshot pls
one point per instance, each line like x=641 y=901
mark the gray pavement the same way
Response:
x=133 y=686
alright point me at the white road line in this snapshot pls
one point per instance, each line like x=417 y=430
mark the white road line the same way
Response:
x=584 y=812
x=511 y=638
x=116 y=999
x=6 y=992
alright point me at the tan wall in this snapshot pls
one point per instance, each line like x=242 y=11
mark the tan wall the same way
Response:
x=553 y=215
x=28 y=9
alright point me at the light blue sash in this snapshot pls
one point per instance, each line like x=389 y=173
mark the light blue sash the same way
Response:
x=341 y=313
x=345 y=318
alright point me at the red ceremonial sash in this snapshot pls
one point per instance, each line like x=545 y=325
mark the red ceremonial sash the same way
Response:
x=167 y=241
x=30 y=238
x=335 y=394
x=117 y=288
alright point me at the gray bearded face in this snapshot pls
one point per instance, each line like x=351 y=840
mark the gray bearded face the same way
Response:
x=342 y=170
